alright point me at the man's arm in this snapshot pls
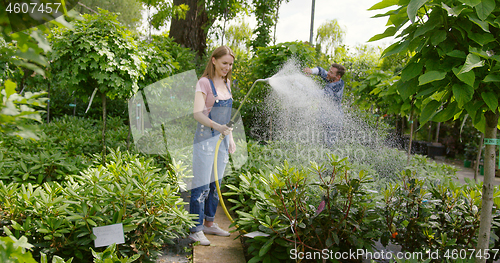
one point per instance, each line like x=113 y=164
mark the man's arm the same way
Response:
x=317 y=71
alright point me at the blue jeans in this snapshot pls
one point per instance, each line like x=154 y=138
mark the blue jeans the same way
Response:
x=204 y=198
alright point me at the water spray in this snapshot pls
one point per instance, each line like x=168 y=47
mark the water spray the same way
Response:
x=221 y=137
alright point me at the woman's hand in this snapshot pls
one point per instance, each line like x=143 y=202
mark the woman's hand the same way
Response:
x=224 y=130
x=232 y=146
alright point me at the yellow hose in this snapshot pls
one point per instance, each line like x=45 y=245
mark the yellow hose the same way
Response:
x=221 y=201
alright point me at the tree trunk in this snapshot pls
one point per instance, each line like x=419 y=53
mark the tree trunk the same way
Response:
x=488 y=187
x=411 y=139
x=478 y=157
x=103 y=97
x=191 y=32
x=48 y=103
x=437 y=132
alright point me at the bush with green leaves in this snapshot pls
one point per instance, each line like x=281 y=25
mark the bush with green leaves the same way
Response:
x=65 y=147
x=58 y=217
x=18 y=113
x=437 y=216
x=323 y=207
x=15 y=250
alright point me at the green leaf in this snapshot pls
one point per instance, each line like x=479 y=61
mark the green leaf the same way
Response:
x=471 y=3
x=447 y=113
x=484 y=8
x=396 y=48
x=483 y=24
x=455 y=11
x=411 y=71
x=472 y=107
x=407 y=89
x=491 y=100
x=413 y=7
x=384 y=4
x=10 y=88
x=431 y=76
x=463 y=94
x=456 y=54
x=438 y=37
x=492 y=78
x=481 y=38
x=468 y=77
x=472 y=61
x=390 y=31
x=266 y=247
x=429 y=110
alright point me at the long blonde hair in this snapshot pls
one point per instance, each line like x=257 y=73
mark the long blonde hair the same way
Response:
x=218 y=53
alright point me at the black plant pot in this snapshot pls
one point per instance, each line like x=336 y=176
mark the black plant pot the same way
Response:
x=434 y=150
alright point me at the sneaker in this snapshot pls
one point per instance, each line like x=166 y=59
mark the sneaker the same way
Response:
x=199 y=236
x=215 y=230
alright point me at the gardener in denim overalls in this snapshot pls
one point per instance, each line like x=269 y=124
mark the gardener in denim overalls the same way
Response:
x=212 y=109
x=334 y=89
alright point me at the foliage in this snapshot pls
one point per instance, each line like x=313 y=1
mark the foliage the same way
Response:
x=330 y=35
x=16 y=111
x=440 y=216
x=65 y=147
x=129 y=10
x=15 y=250
x=109 y=256
x=58 y=218
x=454 y=70
x=101 y=54
x=325 y=207
x=238 y=37
x=183 y=58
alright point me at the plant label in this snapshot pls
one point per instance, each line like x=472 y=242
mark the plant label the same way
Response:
x=108 y=235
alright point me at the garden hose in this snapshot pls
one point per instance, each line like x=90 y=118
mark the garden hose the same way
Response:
x=221 y=137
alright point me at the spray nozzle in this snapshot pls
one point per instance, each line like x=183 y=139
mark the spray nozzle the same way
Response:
x=263 y=80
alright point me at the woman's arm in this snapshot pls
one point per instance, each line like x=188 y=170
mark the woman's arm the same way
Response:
x=199 y=105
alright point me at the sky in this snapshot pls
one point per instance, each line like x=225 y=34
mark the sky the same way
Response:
x=295 y=20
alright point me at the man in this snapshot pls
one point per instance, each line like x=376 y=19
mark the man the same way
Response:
x=334 y=89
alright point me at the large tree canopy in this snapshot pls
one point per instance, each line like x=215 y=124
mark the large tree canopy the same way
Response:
x=129 y=10
x=455 y=70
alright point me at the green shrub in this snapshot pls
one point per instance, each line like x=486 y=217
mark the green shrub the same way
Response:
x=58 y=217
x=324 y=207
x=64 y=147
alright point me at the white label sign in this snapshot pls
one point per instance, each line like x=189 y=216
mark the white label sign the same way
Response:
x=108 y=235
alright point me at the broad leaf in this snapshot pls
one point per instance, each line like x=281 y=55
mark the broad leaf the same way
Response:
x=462 y=93
x=468 y=77
x=411 y=71
x=455 y=11
x=429 y=110
x=492 y=78
x=482 y=38
x=384 y=4
x=413 y=7
x=447 y=113
x=456 y=54
x=431 y=76
x=10 y=88
x=472 y=107
x=491 y=100
x=472 y=61
x=390 y=31
x=483 y=24
x=471 y=3
x=484 y=8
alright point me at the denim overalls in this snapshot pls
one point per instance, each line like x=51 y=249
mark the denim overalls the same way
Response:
x=204 y=198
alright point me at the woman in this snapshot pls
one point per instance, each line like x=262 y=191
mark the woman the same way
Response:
x=212 y=109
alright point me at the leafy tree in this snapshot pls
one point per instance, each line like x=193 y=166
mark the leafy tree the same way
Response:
x=454 y=71
x=191 y=31
x=129 y=10
x=238 y=36
x=97 y=55
x=330 y=35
